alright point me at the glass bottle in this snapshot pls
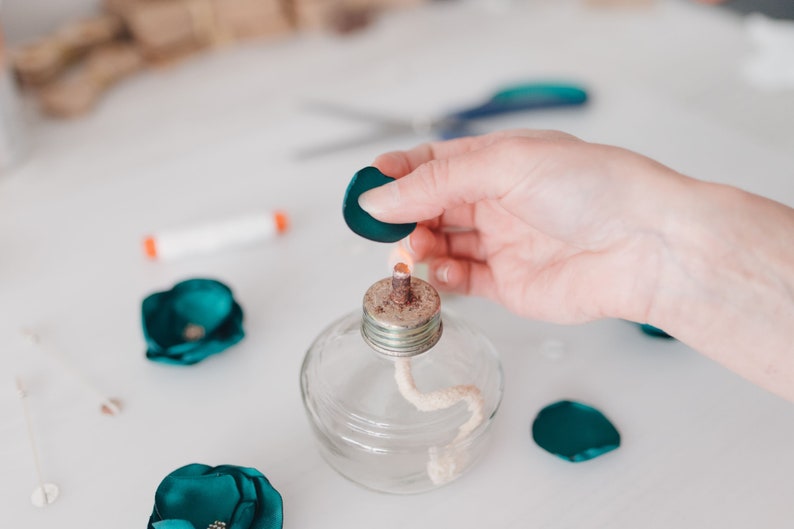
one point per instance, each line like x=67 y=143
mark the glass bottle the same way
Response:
x=399 y=401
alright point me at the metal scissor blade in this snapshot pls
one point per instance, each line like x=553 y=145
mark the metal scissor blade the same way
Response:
x=329 y=148
x=346 y=112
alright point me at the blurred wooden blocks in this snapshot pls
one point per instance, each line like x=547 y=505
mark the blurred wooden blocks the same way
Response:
x=77 y=93
x=337 y=14
x=168 y=28
x=620 y=3
x=42 y=61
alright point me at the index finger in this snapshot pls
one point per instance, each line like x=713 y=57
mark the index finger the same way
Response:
x=400 y=163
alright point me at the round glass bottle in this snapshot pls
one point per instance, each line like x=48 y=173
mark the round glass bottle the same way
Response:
x=399 y=401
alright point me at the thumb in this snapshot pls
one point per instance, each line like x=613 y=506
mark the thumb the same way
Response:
x=441 y=184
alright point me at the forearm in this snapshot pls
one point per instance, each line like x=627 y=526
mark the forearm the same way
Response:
x=727 y=284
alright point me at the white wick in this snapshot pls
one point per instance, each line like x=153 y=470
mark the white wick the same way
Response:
x=445 y=463
x=108 y=406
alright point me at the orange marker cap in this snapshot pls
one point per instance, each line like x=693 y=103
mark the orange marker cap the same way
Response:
x=150 y=247
x=282 y=221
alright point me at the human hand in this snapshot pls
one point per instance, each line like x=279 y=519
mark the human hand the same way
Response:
x=550 y=226
x=567 y=231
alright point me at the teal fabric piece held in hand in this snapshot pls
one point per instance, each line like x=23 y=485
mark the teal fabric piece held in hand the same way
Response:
x=650 y=330
x=574 y=431
x=362 y=222
x=195 y=319
x=198 y=496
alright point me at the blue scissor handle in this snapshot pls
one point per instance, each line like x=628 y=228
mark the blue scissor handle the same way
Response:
x=523 y=97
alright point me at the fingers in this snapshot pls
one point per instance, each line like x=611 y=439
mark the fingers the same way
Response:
x=456 y=173
x=429 y=190
x=462 y=277
x=425 y=244
x=454 y=219
x=456 y=260
x=399 y=163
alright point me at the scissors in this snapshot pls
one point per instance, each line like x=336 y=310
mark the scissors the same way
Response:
x=510 y=100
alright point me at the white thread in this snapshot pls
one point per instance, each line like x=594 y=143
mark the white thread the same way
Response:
x=445 y=463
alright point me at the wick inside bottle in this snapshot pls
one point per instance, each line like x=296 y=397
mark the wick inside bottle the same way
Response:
x=444 y=462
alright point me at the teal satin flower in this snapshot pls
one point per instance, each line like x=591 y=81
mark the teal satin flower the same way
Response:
x=225 y=497
x=195 y=319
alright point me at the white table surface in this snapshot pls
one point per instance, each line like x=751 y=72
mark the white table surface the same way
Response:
x=214 y=136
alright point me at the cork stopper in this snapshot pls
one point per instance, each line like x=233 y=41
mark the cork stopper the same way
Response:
x=402 y=315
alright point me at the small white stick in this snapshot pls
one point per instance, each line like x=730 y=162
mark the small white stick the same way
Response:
x=45 y=493
x=107 y=405
x=446 y=463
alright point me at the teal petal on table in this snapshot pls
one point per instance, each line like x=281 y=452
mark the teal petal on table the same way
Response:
x=650 y=330
x=574 y=431
x=195 y=319
x=362 y=222
x=200 y=495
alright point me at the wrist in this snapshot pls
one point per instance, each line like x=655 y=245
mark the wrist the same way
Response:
x=726 y=282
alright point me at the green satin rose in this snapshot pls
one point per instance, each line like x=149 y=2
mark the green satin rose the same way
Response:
x=224 y=497
x=195 y=319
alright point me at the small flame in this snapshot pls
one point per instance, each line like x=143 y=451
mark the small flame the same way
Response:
x=400 y=254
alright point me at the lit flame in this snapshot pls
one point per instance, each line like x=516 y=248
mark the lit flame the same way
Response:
x=400 y=254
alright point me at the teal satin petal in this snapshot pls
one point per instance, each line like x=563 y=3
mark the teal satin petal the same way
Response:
x=205 y=304
x=244 y=516
x=269 y=507
x=193 y=352
x=173 y=524
x=198 y=499
x=246 y=507
x=240 y=497
x=260 y=500
x=650 y=330
x=362 y=222
x=574 y=431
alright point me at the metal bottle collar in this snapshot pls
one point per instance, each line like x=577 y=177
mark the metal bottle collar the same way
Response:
x=402 y=315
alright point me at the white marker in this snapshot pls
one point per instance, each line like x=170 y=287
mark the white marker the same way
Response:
x=45 y=493
x=107 y=405
x=215 y=236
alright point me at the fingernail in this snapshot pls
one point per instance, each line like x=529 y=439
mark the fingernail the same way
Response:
x=380 y=199
x=442 y=274
x=370 y=204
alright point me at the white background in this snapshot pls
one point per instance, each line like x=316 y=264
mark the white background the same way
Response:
x=215 y=135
